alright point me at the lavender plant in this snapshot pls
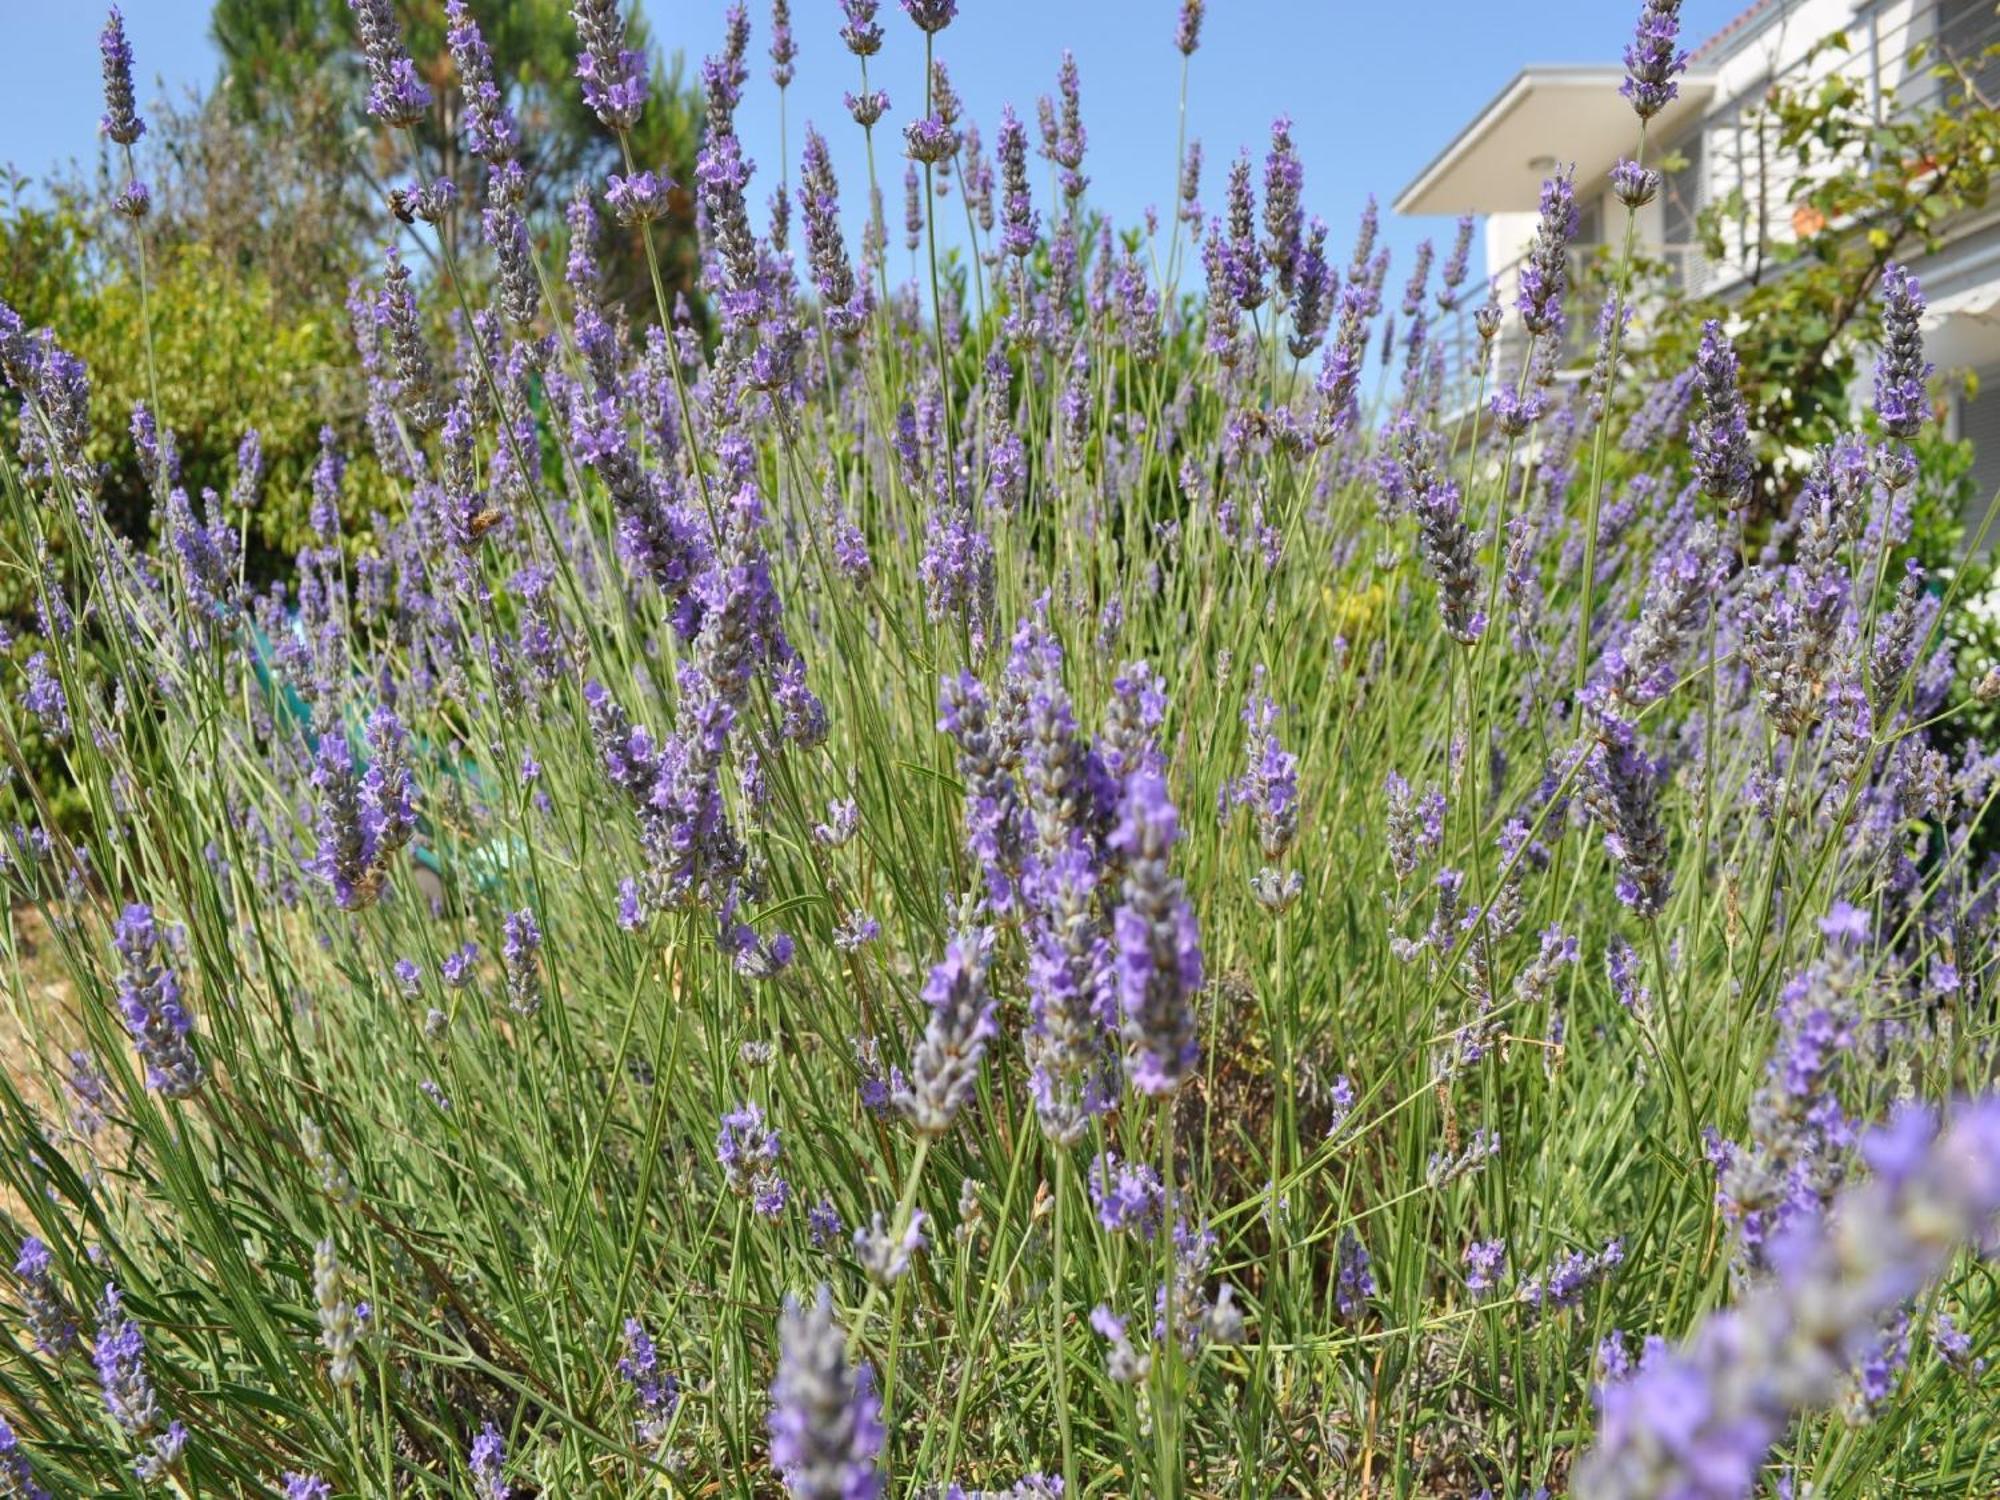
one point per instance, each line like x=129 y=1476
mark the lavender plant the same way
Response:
x=951 y=885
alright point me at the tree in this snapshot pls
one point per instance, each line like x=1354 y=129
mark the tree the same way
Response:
x=290 y=68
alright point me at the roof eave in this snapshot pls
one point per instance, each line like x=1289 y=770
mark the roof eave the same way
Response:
x=1524 y=86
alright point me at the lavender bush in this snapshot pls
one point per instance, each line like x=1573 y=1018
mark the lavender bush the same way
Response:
x=1028 y=881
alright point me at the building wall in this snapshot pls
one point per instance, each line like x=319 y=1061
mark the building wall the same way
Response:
x=1891 y=45
x=1890 y=51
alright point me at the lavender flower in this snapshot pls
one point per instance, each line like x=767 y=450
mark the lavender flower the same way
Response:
x=613 y=75
x=655 y=1392
x=1485 y=1263
x=134 y=200
x=248 y=483
x=823 y=1224
x=748 y=1149
x=1449 y=555
x=51 y=1319
x=1456 y=265
x=362 y=820
x=1071 y=998
x=1685 y=578
x=409 y=353
x=1127 y=1195
x=339 y=1324
x=17 y=1479
x=1954 y=1347
x=1190 y=188
x=931 y=15
x=885 y=1255
x=490 y=131
x=45 y=699
x=521 y=938
x=302 y=1486
x=1901 y=401
x=1125 y=1364
x=1444 y=1168
x=844 y=302
x=1796 y=1154
x=1652 y=59
x=149 y=1000
x=945 y=1066
x=1158 y=943
x=1698 y=1421
x=1284 y=217
x=1719 y=435
x=1621 y=791
x=1187 y=30
x=488 y=1463
x=1340 y=1110
x=1897 y=634
x=826 y=1421
x=639 y=198
x=121 y=119
x=1634 y=185
x=396 y=95
x=1574 y=1273
x=1354 y=1282
x=1544 y=280
x=1412 y=827
x=1270 y=785
x=861 y=34
x=119 y=1351
x=457 y=967
x=1066 y=146
x=1020 y=225
x=994 y=817
x=1312 y=293
x=784 y=47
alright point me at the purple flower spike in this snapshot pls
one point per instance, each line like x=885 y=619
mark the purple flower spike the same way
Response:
x=826 y=1420
x=16 y=1477
x=149 y=998
x=490 y=130
x=1158 y=944
x=49 y=1316
x=121 y=119
x=1901 y=400
x=1544 y=279
x=613 y=75
x=931 y=15
x=1187 y=31
x=488 y=1463
x=1698 y=1421
x=396 y=95
x=945 y=1066
x=1719 y=435
x=861 y=33
x=1652 y=60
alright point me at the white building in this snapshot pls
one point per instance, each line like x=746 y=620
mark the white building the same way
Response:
x=1890 y=49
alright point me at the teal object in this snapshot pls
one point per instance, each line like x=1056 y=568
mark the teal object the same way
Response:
x=486 y=864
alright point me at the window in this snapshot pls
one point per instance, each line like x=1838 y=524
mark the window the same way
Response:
x=1966 y=29
x=1590 y=223
x=1682 y=195
x=1979 y=424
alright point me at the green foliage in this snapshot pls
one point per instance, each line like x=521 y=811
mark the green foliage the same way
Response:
x=286 y=61
x=218 y=334
x=1844 y=194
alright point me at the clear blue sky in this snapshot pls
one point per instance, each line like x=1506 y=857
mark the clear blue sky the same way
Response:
x=1374 y=89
